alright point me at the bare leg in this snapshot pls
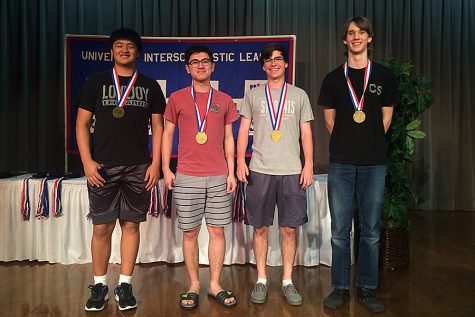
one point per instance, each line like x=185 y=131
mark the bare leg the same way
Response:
x=190 y=254
x=129 y=246
x=289 y=246
x=101 y=247
x=260 y=245
x=216 y=248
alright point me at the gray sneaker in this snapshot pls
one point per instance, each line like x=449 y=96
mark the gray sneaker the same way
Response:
x=259 y=293
x=369 y=300
x=291 y=295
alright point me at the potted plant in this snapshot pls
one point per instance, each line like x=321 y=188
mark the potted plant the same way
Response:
x=415 y=96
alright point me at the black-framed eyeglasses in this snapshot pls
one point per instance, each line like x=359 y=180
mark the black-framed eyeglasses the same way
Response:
x=196 y=63
x=277 y=59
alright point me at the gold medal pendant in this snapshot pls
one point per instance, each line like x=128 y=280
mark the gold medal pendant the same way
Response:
x=276 y=135
x=118 y=112
x=201 y=138
x=359 y=116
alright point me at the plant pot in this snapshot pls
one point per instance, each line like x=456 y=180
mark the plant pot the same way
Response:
x=394 y=249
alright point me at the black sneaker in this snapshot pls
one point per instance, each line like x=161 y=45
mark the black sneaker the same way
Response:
x=99 y=294
x=337 y=298
x=369 y=300
x=123 y=294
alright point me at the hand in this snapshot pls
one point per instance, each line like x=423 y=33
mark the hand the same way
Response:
x=152 y=176
x=242 y=172
x=231 y=184
x=91 y=170
x=169 y=179
x=306 y=177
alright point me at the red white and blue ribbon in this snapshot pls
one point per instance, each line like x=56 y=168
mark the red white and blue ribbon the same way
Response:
x=56 y=208
x=358 y=104
x=120 y=97
x=25 y=200
x=201 y=120
x=154 y=206
x=276 y=115
x=239 y=203
x=42 y=210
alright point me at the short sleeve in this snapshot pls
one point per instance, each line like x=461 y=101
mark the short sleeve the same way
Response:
x=158 y=103
x=326 y=97
x=170 y=110
x=244 y=107
x=87 y=95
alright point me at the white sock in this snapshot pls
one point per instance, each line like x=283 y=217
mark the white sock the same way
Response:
x=286 y=282
x=125 y=279
x=100 y=279
x=262 y=280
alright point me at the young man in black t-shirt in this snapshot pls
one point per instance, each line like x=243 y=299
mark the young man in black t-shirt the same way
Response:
x=358 y=98
x=119 y=172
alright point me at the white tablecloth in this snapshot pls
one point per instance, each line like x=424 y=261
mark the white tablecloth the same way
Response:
x=66 y=239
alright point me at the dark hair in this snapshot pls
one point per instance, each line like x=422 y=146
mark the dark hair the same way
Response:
x=125 y=34
x=197 y=49
x=267 y=51
x=363 y=24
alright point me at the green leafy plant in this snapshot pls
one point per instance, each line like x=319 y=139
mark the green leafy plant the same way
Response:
x=415 y=96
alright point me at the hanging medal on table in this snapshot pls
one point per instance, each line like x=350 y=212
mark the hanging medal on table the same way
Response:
x=201 y=137
x=276 y=114
x=359 y=116
x=121 y=96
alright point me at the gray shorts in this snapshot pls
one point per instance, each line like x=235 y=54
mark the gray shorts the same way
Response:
x=195 y=196
x=123 y=195
x=264 y=191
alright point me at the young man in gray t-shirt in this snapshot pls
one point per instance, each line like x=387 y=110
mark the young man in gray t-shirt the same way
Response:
x=281 y=114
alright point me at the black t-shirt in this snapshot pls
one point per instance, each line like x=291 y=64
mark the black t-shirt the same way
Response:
x=358 y=143
x=121 y=141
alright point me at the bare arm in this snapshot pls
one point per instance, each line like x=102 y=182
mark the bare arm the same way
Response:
x=91 y=167
x=167 y=142
x=306 y=177
x=243 y=135
x=387 y=117
x=329 y=114
x=229 y=153
x=152 y=175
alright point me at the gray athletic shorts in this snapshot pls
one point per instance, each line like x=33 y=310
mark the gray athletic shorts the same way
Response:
x=195 y=196
x=123 y=195
x=264 y=191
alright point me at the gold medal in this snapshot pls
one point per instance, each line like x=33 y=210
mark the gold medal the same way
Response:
x=118 y=112
x=201 y=138
x=276 y=135
x=359 y=116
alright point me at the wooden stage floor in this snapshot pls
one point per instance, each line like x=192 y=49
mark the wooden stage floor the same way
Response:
x=440 y=281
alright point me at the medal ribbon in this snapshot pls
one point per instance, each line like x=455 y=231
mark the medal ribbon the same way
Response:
x=154 y=202
x=166 y=202
x=25 y=200
x=56 y=209
x=358 y=104
x=120 y=98
x=276 y=117
x=239 y=203
x=42 y=210
x=200 y=121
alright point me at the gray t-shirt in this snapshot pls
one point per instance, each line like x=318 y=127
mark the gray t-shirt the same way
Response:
x=283 y=157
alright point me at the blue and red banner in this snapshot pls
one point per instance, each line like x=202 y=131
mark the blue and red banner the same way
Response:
x=237 y=67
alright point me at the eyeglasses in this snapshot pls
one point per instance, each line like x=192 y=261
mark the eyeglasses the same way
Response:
x=196 y=63
x=277 y=59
